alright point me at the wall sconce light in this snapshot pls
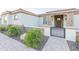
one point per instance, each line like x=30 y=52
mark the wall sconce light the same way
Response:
x=58 y=19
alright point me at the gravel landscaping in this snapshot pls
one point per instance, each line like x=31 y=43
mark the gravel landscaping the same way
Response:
x=38 y=49
x=72 y=46
x=45 y=39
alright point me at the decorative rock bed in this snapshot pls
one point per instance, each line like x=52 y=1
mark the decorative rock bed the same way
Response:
x=23 y=36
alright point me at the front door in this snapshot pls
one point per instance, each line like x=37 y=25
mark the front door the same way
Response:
x=59 y=21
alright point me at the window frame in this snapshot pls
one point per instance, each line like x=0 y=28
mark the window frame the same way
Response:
x=45 y=20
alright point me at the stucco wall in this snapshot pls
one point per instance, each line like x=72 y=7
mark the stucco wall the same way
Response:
x=70 y=34
x=23 y=19
x=4 y=17
x=76 y=21
x=27 y=20
x=8 y=19
x=47 y=31
x=40 y=21
x=15 y=20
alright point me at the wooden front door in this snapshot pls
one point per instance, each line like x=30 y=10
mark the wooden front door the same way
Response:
x=59 y=21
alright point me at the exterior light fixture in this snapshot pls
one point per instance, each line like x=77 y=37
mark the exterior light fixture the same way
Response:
x=58 y=19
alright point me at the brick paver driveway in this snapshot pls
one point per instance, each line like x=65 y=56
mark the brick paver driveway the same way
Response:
x=9 y=44
x=56 y=44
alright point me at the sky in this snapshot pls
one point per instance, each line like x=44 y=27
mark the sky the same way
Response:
x=34 y=10
x=37 y=6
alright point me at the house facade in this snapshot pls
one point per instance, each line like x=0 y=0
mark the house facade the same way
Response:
x=68 y=20
x=62 y=23
x=21 y=17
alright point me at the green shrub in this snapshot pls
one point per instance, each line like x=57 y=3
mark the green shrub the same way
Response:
x=3 y=28
x=14 y=31
x=9 y=26
x=34 y=38
x=77 y=39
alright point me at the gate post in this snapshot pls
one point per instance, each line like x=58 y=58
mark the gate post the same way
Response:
x=47 y=31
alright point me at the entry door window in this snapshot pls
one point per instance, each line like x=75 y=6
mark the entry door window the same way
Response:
x=58 y=22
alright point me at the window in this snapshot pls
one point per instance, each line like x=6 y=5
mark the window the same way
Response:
x=45 y=20
x=5 y=21
x=15 y=17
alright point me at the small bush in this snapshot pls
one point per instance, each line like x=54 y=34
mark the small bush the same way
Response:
x=20 y=27
x=9 y=26
x=77 y=39
x=34 y=38
x=3 y=28
x=14 y=31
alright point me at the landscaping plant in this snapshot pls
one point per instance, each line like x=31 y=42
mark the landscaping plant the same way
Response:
x=34 y=38
x=77 y=40
x=14 y=31
x=3 y=28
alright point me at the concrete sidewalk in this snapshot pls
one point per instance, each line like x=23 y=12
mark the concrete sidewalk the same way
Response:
x=56 y=44
x=9 y=44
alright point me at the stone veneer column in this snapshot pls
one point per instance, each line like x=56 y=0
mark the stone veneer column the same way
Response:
x=69 y=22
x=70 y=32
x=49 y=20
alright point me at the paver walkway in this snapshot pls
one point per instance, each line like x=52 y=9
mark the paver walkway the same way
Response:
x=56 y=44
x=9 y=44
x=72 y=46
